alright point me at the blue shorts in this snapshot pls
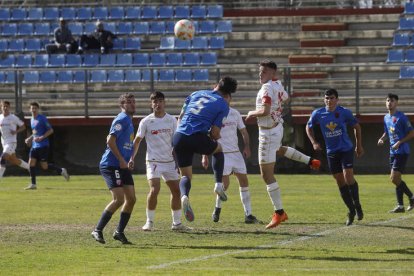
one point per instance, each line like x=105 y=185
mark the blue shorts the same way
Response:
x=398 y=162
x=186 y=145
x=116 y=177
x=40 y=154
x=339 y=161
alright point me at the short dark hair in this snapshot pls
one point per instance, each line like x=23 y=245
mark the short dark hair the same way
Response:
x=35 y=104
x=392 y=96
x=157 y=95
x=227 y=85
x=6 y=103
x=331 y=91
x=269 y=64
x=125 y=97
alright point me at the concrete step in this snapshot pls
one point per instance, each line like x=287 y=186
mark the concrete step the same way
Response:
x=304 y=59
x=322 y=43
x=309 y=27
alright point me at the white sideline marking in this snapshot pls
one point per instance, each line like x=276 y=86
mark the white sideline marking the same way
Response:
x=259 y=247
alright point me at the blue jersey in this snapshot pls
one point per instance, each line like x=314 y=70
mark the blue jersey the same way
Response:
x=123 y=129
x=334 y=127
x=397 y=126
x=40 y=126
x=203 y=109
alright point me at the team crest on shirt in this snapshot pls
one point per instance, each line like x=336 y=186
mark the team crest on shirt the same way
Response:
x=331 y=126
x=392 y=130
x=118 y=127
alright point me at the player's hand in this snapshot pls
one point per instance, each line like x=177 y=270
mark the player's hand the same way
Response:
x=204 y=162
x=38 y=139
x=359 y=151
x=396 y=146
x=316 y=146
x=28 y=142
x=131 y=165
x=247 y=153
x=380 y=142
x=123 y=164
x=249 y=115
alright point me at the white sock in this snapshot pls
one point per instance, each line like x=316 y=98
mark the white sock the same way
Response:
x=219 y=186
x=176 y=216
x=245 y=199
x=218 y=202
x=150 y=215
x=274 y=192
x=296 y=155
x=2 y=170
x=24 y=165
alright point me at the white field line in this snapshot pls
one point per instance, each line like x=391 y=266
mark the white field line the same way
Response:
x=283 y=242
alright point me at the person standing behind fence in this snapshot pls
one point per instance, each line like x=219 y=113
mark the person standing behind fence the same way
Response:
x=100 y=39
x=64 y=40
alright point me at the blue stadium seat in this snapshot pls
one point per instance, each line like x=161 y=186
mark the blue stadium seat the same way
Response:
x=84 y=13
x=409 y=8
x=409 y=55
x=4 y=14
x=167 y=43
x=2 y=76
x=64 y=76
x=110 y=26
x=141 y=28
x=97 y=76
x=133 y=43
x=133 y=13
x=209 y=58
x=157 y=27
x=124 y=59
x=132 y=75
x=191 y=59
x=89 y=27
x=412 y=39
x=73 y=61
x=224 y=26
x=115 y=76
x=47 y=77
x=149 y=12
x=117 y=13
x=183 y=75
x=146 y=75
x=100 y=13
x=50 y=14
x=125 y=28
x=7 y=61
x=18 y=14
x=42 y=29
x=174 y=59
x=41 y=60
x=53 y=26
x=10 y=77
x=216 y=42
x=407 y=72
x=165 y=12
x=119 y=43
x=9 y=29
x=90 y=60
x=182 y=44
x=207 y=26
x=401 y=39
x=395 y=56
x=214 y=11
x=33 y=44
x=3 y=45
x=199 y=42
x=166 y=75
x=108 y=60
x=141 y=59
x=79 y=76
x=57 y=60
x=200 y=75
x=169 y=27
x=30 y=77
x=406 y=24
x=157 y=59
x=198 y=11
x=76 y=28
x=25 y=29
x=68 y=13
x=182 y=12
x=16 y=45
x=35 y=14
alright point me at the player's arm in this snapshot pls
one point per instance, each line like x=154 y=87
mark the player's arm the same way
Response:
x=19 y=129
x=215 y=132
x=111 y=143
x=44 y=136
x=382 y=139
x=246 y=142
x=358 y=140
x=408 y=137
x=137 y=142
x=204 y=161
x=311 y=135
x=264 y=111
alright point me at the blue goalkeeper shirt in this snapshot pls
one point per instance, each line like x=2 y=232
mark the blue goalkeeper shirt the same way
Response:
x=397 y=126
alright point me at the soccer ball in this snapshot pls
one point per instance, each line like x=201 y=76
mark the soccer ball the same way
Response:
x=184 y=29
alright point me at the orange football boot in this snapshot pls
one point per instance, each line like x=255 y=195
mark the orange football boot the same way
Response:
x=315 y=164
x=277 y=219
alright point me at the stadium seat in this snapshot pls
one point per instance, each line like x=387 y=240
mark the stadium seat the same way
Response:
x=57 y=60
x=90 y=60
x=214 y=11
x=68 y=13
x=41 y=60
x=191 y=59
x=76 y=28
x=30 y=77
x=47 y=77
x=409 y=8
x=182 y=44
x=165 y=12
x=3 y=45
x=119 y=43
x=401 y=39
x=224 y=26
x=18 y=14
x=100 y=13
x=199 y=42
x=174 y=59
x=110 y=26
x=141 y=28
x=84 y=13
x=146 y=75
x=4 y=14
x=25 y=29
x=406 y=24
x=79 y=76
x=132 y=75
x=117 y=13
x=207 y=26
x=133 y=43
x=73 y=61
x=133 y=13
x=157 y=59
x=35 y=14
x=33 y=44
x=108 y=60
x=10 y=77
x=2 y=76
x=167 y=43
x=182 y=12
x=216 y=42
x=407 y=72
x=200 y=75
x=97 y=76
x=409 y=56
x=208 y=58
x=412 y=39
x=16 y=45
x=157 y=27
x=395 y=56
x=89 y=27
x=125 y=28
x=198 y=11
x=124 y=59
x=64 y=76
x=50 y=14
x=7 y=61
x=9 y=29
x=115 y=76
x=141 y=59
x=169 y=27
x=183 y=75
x=42 y=29
x=166 y=75
x=149 y=12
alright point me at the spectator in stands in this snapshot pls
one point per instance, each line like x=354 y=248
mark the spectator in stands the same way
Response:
x=64 y=40
x=100 y=39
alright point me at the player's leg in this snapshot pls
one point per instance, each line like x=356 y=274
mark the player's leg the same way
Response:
x=249 y=218
x=298 y=156
x=398 y=166
x=16 y=161
x=154 y=189
x=217 y=208
x=218 y=168
x=44 y=152
x=2 y=166
x=172 y=180
x=348 y=172
x=33 y=157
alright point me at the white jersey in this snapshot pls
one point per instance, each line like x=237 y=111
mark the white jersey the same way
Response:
x=278 y=95
x=229 y=140
x=158 y=133
x=8 y=124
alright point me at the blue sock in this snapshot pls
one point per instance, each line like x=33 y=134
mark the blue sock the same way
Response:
x=405 y=189
x=123 y=221
x=218 y=166
x=33 y=175
x=399 y=192
x=103 y=221
x=54 y=167
x=2 y=160
x=185 y=185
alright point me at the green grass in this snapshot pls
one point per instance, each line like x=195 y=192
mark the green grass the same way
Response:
x=47 y=231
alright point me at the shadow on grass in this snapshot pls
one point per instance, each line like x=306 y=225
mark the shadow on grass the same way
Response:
x=409 y=251
x=388 y=226
x=332 y=259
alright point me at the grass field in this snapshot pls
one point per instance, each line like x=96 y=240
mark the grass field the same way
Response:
x=47 y=231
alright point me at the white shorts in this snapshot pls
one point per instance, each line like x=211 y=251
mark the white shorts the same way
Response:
x=234 y=163
x=9 y=148
x=168 y=171
x=270 y=141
